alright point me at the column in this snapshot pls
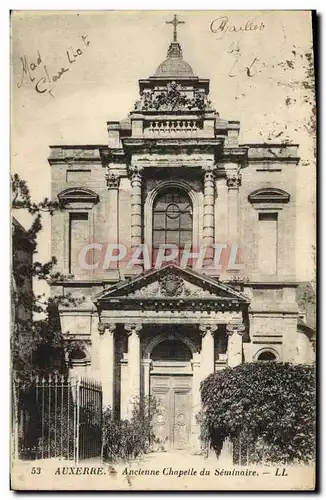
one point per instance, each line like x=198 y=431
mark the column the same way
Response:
x=124 y=387
x=112 y=182
x=136 y=193
x=146 y=374
x=208 y=219
x=207 y=350
x=107 y=362
x=235 y=332
x=233 y=181
x=196 y=403
x=133 y=365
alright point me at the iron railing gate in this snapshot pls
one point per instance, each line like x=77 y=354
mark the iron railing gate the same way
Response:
x=57 y=417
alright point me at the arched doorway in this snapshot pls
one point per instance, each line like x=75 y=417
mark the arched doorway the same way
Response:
x=171 y=385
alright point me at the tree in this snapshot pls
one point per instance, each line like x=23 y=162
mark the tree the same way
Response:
x=37 y=344
x=271 y=404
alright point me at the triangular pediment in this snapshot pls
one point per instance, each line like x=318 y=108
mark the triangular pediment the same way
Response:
x=168 y=282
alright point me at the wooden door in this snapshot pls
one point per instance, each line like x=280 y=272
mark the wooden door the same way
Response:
x=181 y=418
x=173 y=419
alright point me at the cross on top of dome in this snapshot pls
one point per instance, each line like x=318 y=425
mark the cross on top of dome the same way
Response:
x=174 y=66
x=175 y=21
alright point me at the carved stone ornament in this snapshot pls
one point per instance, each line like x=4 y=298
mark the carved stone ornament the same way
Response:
x=204 y=329
x=209 y=172
x=135 y=172
x=106 y=327
x=101 y=328
x=151 y=290
x=238 y=328
x=171 y=285
x=233 y=180
x=173 y=98
x=112 y=180
x=132 y=328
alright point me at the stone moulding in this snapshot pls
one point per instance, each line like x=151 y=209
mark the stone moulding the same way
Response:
x=78 y=194
x=269 y=195
x=75 y=154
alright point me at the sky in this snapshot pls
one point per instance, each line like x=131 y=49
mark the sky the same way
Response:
x=119 y=48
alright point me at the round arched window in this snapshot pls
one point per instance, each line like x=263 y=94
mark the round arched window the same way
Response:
x=171 y=350
x=172 y=220
x=267 y=356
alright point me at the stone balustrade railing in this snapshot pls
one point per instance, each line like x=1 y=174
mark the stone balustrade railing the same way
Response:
x=168 y=127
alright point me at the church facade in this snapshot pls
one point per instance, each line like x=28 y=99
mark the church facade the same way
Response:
x=173 y=187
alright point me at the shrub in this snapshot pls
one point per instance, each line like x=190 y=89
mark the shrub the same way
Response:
x=129 y=439
x=270 y=405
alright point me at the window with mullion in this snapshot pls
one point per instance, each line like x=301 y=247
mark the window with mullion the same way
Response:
x=172 y=220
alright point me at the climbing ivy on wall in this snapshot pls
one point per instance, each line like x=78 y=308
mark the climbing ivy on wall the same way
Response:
x=272 y=404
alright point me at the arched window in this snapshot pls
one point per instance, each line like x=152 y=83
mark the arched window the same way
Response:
x=171 y=350
x=266 y=356
x=172 y=220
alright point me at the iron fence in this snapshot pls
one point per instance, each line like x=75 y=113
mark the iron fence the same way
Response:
x=57 y=417
x=247 y=451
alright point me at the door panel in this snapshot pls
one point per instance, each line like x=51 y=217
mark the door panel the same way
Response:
x=181 y=419
x=172 y=422
x=162 y=418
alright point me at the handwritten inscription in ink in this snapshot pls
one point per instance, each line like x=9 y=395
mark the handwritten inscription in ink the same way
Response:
x=43 y=78
x=222 y=25
x=240 y=64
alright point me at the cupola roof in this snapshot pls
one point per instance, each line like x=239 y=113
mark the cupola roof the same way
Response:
x=174 y=66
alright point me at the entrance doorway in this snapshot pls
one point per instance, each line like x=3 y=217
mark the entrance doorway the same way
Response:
x=171 y=385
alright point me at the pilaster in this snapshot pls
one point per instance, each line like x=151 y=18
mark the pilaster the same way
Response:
x=107 y=362
x=235 y=332
x=196 y=403
x=207 y=349
x=208 y=216
x=135 y=173
x=112 y=182
x=132 y=330
x=233 y=181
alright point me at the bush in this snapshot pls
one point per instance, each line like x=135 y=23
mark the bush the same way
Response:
x=129 y=439
x=269 y=405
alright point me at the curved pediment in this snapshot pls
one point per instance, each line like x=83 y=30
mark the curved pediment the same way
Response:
x=78 y=194
x=269 y=195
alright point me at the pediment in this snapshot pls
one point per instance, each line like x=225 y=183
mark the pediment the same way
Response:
x=78 y=194
x=269 y=195
x=171 y=282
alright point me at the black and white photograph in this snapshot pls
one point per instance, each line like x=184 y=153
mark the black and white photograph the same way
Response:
x=163 y=250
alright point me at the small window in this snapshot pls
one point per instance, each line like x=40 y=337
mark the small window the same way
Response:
x=267 y=356
x=78 y=238
x=267 y=243
x=77 y=354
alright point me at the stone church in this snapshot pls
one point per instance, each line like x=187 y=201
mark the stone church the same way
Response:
x=174 y=175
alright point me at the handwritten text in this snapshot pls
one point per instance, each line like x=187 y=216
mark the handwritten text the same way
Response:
x=222 y=26
x=36 y=71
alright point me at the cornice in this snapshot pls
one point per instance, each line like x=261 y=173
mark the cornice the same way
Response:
x=238 y=154
x=75 y=154
x=209 y=304
x=269 y=195
x=153 y=145
x=78 y=194
x=112 y=155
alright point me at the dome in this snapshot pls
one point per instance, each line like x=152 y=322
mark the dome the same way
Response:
x=174 y=66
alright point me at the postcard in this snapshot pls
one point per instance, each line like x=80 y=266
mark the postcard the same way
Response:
x=163 y=176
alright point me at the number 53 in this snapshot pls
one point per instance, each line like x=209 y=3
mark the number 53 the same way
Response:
x=36 y=470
